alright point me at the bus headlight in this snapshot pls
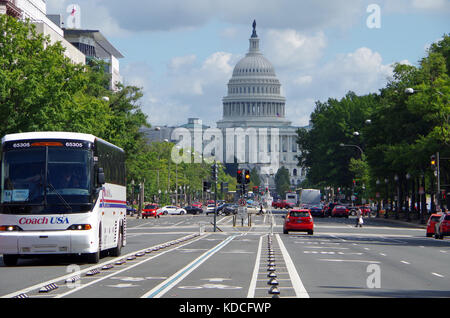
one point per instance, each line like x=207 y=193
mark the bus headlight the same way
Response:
x=80 y=227
x=9 y=228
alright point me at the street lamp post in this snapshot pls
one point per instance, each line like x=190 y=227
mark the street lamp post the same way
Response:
x=397 y=204
x=423 y=199
x=378 y=198
x=386 y=181
x=356 y=146
x=407 y=206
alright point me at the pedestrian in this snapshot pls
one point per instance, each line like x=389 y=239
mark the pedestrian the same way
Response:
x=359 y=218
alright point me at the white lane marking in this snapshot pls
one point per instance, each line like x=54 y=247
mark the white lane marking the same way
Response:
x=96 y=266
x=348 y=260
x=169 y=283
x=300 y=290
x=123 y=270
x=405 y=262
x=438 y=275
x=251 y=288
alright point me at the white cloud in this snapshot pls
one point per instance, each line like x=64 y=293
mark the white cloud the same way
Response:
x=189 y=88
x=177 y=63
x=361 y=71
x=119 y=17
x=405 y=6
x=429 y=4
x=303 y=80
x=290 y=48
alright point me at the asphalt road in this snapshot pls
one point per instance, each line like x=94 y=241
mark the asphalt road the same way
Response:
x=181 y=257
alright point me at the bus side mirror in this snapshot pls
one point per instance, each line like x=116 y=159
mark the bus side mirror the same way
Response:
x=101 y=176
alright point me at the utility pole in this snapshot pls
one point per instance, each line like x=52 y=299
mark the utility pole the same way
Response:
x=214 y=177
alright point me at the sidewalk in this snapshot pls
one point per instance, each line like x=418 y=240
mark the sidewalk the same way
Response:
x=414 y=221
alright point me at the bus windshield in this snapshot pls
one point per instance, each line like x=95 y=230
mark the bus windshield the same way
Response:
x=46 y=180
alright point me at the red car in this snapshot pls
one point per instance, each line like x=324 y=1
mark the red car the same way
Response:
x=197 y=204
x=282 y=205
x=299 y=220
x=365 y=210
x=431 y=224
x=150 y=210
x=442 y=227
x=340 y=210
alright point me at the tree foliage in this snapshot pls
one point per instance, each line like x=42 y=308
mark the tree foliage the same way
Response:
x=282 y=182
x=404 y=131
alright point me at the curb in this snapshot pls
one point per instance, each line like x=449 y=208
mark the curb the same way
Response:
x=403 y=222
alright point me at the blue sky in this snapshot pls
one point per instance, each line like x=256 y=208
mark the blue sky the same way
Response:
x=182 y=52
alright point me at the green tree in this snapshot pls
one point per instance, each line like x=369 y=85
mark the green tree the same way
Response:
x=41 y=89
x=334 y=123
x=254 y=178
x=282 y=182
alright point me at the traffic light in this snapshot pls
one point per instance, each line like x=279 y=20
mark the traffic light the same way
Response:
x=239 y=176
x=206 y=186
x=214 y=172
x=433 y=162
x=247 y=176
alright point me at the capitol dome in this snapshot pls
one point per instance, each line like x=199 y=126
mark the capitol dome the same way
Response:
x=254 y=91
x=254 y=64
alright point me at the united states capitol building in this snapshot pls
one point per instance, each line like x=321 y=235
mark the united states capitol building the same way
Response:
x=254 y=103
x=254 y=131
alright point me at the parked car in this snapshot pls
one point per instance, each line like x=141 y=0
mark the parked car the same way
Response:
x=221 y=207
x=150 y=210
x=365 y=210
x=190 y=209
x=282 y=205
x=210 y=209
x=299 y=220
x=431 y=224
x=171 y=209
x=442 y=227
x=130 y=210
x=328 y=208
x=340 y=210
x=197 y=204
x=317 y=210
x=230 y=209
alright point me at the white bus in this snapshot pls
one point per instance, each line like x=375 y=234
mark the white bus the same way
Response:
x=61 y=193
x=292 y=197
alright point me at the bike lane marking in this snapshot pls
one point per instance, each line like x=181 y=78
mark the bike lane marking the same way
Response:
x=169 y=283
x=252 y=287
x=297 y=283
